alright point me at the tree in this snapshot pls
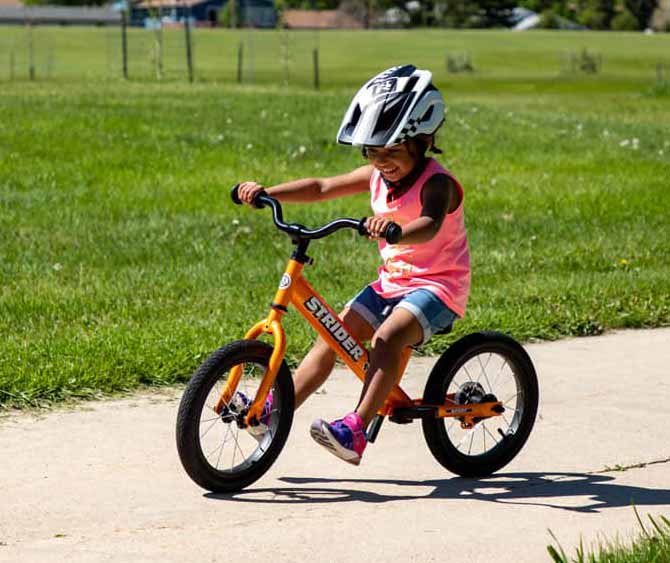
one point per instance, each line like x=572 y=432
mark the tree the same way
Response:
x=597 y=14
x=65 y=2
x=496 y=13
x=624 y=21
x=642 y=10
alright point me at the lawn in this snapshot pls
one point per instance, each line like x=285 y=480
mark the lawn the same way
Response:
x=123 y=261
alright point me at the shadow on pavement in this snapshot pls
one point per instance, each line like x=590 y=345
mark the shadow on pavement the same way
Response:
x=578 y=492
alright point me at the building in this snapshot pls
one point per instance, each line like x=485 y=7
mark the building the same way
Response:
x=13 y=12
x=250 y=13
x=661 y=18
x=319 y=19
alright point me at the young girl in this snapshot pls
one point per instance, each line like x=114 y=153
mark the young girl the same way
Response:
x=425 y=277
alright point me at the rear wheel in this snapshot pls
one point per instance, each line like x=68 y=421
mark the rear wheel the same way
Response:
x=482 y=367
x=215 y=452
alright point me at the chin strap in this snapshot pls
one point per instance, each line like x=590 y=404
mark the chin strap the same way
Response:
x=400 y=187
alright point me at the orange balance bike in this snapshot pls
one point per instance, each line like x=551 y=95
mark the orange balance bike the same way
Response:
x=477 y=410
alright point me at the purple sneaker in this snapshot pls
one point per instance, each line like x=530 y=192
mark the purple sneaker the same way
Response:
x=344 y=438
x=240 y=401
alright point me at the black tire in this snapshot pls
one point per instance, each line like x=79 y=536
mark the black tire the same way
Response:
x=197 y=402
x=448 y=375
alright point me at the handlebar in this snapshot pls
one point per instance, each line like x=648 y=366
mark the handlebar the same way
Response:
x=391 y=235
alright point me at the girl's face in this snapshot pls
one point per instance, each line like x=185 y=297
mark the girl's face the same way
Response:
x=394 y=162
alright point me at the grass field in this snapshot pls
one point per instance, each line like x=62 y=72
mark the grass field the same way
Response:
x=124 y=263
x=651 y=544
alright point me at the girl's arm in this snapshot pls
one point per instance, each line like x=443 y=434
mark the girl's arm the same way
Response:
x=439 y=196
x=308 y=190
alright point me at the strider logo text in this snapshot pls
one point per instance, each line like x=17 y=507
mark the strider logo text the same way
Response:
x=340 y=334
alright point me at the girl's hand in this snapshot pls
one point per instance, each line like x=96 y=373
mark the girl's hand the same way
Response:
x=247 y=191
x=376 y=226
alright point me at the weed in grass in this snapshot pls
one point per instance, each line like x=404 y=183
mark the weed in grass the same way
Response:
x=651 y=545
x=659 y=90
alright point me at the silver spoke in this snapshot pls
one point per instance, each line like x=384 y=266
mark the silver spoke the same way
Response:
x=489 y=433
x=232 y=464
x=509 y=424
x=237 y=447
x=512 y=397
x=500 y=371
x=204 y=421
x=220 y=446
x=218 y=459
x=483 y=369
x=511 y=409
x=465 y=369
x=466 y=435
x=208 y=429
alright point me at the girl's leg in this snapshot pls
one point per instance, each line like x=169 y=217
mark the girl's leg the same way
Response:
x=399 y=330
x=345 y=437
x=319 y=361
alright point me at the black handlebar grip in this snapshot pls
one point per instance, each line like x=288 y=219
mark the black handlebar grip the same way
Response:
x=257 y=203
x=393 y=233
x=234 y=195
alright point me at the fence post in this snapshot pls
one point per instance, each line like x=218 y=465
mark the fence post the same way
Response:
x=285 y=56
x=159 y=45
x=189 y=47
x=124 y=42
x=50 y=63
x=315 y=59
x=31 y=52
x=250 y=55
x=662 y=72
x=240 y=58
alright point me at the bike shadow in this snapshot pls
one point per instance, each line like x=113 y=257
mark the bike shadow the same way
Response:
x=575 y=492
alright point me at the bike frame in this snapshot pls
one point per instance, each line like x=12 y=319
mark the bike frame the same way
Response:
x=294 y=289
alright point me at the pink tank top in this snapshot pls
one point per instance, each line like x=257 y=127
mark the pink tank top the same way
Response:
x=440 y=265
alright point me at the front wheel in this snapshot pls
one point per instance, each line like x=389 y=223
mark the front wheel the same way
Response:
x=216 y=453
x=482 y=367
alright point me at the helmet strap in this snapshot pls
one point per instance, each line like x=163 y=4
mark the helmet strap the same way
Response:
x=402 y=186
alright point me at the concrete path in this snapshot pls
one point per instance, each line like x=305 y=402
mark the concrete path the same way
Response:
x=103 y=482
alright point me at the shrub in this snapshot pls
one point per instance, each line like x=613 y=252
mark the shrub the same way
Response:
x=549 y=20
x=624 y=21
x=593 y=19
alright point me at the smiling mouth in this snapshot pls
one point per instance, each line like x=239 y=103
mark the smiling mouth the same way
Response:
x=388 y=171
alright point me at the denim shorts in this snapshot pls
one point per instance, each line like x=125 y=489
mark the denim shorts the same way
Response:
x=433 y=315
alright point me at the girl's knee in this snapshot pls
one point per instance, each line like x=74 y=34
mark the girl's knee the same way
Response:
x=387 y=338
x=400 y=330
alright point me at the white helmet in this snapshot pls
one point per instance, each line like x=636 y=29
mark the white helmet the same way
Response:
x=396 y=105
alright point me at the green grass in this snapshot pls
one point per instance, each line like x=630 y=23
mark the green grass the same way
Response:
x=124 y=263
x=651 y=545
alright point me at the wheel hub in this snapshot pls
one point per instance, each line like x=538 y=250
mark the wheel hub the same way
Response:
x=472 y=392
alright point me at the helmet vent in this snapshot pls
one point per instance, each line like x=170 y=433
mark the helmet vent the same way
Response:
x=410 y=83
x=426 y=116
x=356 y=115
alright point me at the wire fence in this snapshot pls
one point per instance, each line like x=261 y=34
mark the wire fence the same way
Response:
x=34 y=52
x=308 y=58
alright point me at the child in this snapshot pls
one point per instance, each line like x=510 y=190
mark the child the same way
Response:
x=425 y=277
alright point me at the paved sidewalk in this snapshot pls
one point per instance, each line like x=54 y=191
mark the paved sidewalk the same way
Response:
x=103 y=482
